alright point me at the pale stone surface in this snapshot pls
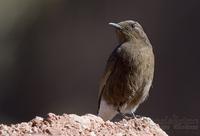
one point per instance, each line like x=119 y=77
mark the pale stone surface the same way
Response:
x=87 y=125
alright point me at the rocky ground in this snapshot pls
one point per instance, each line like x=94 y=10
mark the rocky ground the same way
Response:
x=87 y=125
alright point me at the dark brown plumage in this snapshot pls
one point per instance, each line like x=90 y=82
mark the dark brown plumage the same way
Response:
x=129 y=72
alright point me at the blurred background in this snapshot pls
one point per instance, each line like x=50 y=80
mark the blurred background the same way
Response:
x=53 y=53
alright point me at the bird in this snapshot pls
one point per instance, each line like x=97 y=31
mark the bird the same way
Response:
x=128 y=74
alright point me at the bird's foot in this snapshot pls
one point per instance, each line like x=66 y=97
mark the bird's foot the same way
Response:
x=135 y=116
x=124 y=116
x=129 y=116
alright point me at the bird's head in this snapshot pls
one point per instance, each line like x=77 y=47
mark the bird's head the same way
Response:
x=129 y=31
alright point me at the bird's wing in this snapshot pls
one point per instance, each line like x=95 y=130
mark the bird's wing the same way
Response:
x=110 y=66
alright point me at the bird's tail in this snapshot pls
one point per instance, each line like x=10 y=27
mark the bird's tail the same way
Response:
x=106 y=112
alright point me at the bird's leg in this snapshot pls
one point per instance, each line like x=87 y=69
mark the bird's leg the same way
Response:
x=123 y=115
x=135 y=116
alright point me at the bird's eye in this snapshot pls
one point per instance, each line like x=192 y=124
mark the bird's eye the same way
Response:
x=132 y=25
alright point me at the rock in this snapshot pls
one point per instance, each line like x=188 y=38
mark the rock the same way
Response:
x=87 y=125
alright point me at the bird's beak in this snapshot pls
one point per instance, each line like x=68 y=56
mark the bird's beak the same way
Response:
x=116 y=25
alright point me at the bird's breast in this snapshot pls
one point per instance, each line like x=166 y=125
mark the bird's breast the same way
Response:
x=133 y=70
